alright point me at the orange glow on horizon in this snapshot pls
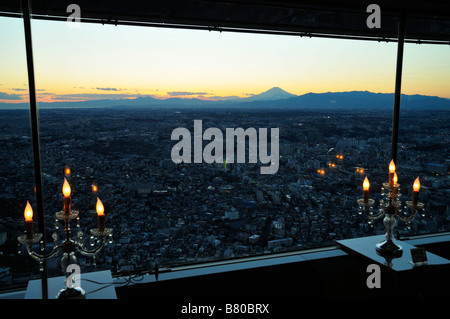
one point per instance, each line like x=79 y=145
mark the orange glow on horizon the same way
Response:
x=54 y=92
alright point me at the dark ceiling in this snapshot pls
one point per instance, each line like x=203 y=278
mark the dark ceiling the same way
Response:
x=424 y=20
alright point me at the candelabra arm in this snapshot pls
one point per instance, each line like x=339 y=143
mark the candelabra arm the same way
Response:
x=367 y=209
x=40 y=257
x=380 y=214
x=89 y=252
x=415 y=208
x=102 y=235
x=28 y=243
x=407 y=219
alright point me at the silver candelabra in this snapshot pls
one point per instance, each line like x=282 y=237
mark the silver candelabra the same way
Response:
x=390 y=206
x=99 y=237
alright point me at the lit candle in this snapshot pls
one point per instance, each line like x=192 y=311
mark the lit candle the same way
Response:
x=391 y=172
x=416 y=188
x=101 y=215
x=67 y=200
x=94 y=188
x=28 y=214
x=395 y=179
x=67 y=171
x=366 y=186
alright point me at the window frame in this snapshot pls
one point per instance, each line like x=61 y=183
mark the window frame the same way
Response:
x=35 y=121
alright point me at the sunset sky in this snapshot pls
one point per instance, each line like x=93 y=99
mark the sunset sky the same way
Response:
x=96 y=61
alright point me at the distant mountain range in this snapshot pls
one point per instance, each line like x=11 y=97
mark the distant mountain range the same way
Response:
x=275 y=98
x=273 y=94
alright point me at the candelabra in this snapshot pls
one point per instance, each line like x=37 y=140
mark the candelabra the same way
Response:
x=390 y=206
x=98 y=239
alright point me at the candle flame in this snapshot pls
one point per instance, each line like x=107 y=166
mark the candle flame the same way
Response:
x=99 y=207
x=395 y=179
x=28 y=213
x=66 y=188
x=416 y=185
x=94 y=188
x=67 y=171
x=392 y=167
x=366 y=184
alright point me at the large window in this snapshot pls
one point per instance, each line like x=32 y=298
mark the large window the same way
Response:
x=110 y=98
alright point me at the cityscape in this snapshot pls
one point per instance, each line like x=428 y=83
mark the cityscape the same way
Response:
x=177 y=214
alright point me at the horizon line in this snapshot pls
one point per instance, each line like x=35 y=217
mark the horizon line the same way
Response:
x=187 y=96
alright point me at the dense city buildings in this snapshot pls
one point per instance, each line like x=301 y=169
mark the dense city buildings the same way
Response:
x=173 y=214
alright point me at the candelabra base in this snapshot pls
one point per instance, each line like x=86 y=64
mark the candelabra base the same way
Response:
x=388 y=248
x=71 y=293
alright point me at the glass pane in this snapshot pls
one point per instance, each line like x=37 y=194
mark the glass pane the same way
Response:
x=424 y=135
x=16 y=158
